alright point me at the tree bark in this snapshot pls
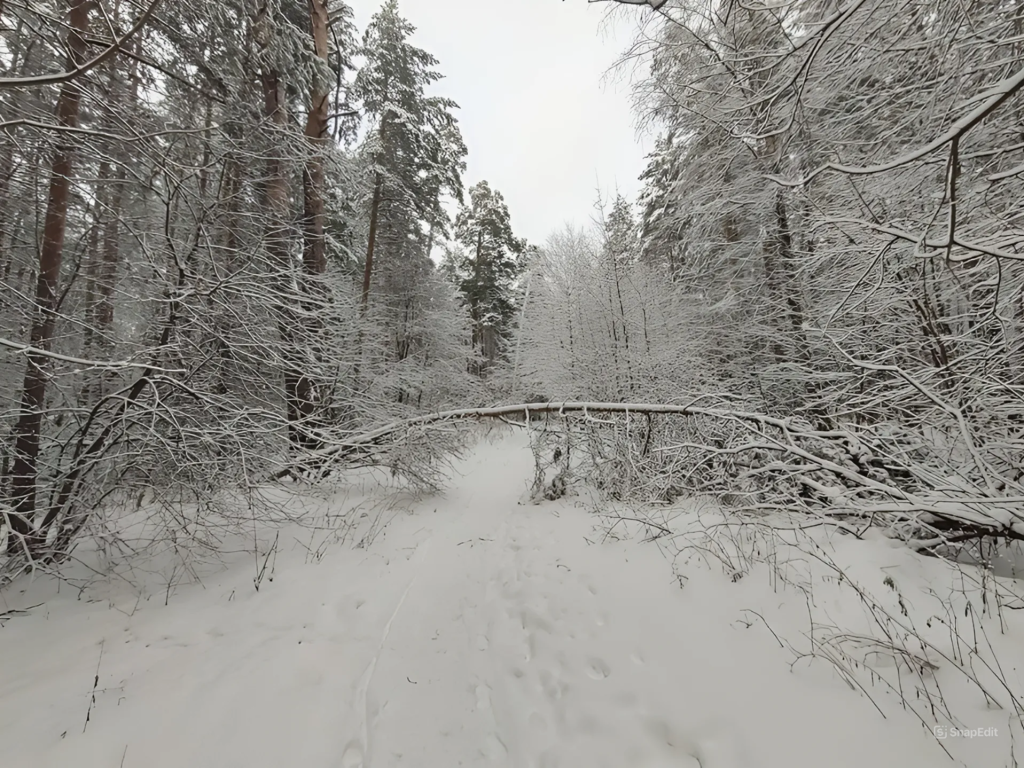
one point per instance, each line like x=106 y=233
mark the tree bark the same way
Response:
x=791 y=345
x=301 y=388
x=24 y=469
x=276 y=203
x=474 y=301
x=315 y=252
x=371 y=240
x=92 y=277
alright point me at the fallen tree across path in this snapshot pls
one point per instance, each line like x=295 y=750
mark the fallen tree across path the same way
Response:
x=853 y=477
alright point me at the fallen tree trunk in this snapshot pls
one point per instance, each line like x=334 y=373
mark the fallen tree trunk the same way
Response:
x=528 y=409
x=836 y=472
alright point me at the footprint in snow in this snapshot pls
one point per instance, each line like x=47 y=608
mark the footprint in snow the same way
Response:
x=352 y=757
x=494 y=748
x=483 y=697
x=679 y=751
x=598 y=669
x=551 y=686
x=529 y=620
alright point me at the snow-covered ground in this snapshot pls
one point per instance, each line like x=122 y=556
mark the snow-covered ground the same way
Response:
x=475 y=629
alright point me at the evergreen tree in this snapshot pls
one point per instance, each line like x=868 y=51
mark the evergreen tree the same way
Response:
x=622 y=241
x=487 y=266
x=416 y=150
x=659 y=205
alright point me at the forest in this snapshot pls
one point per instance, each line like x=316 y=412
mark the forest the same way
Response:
x=237 y=248
x=251 y=303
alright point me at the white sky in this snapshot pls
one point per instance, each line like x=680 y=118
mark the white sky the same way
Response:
x=542 y=121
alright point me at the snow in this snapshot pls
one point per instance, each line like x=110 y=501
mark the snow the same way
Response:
x=474 y=629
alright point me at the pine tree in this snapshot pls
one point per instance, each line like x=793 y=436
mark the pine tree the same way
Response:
x=27 y=430
x=486 y=267
x=417 y=153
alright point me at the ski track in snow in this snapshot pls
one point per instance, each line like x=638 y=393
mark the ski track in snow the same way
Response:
x=486 y=632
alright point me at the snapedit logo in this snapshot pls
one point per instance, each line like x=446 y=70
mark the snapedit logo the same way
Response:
x=952 y=732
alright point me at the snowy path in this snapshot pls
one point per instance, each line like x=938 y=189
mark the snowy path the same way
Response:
x=477 y=632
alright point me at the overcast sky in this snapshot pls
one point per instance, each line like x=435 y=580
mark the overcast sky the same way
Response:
x=543 y=123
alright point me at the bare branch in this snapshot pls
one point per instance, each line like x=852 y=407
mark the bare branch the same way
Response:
x=63 y=77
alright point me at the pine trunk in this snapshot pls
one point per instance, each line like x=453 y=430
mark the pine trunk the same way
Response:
x=24 y=469
x=276 y=202
x=315 y=252
x=372 y=239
